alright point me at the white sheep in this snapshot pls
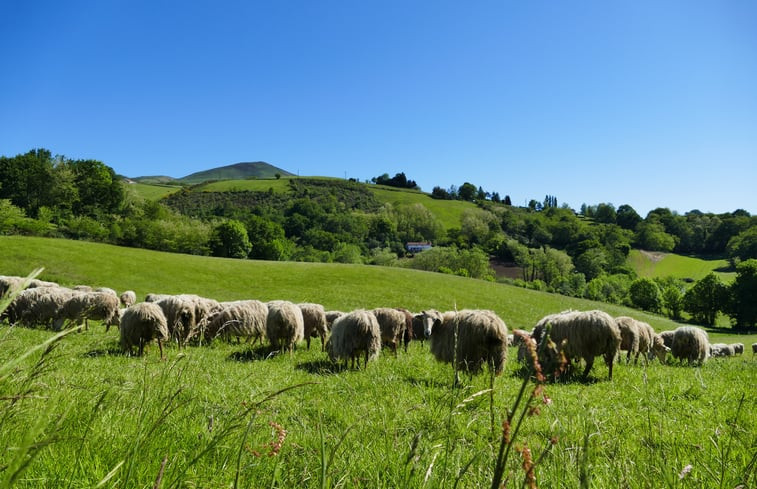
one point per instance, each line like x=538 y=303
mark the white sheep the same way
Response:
x=128 y=298
x=738 y=348
x=140 y=324
x=180 y=317
x=38 y=306
x=392 y=324
x=352 y=334
x=650 y=343
x=332 y=316
x=471 y=337
x=629 y=336
x=690 y=343
x=315 y=322
x=284 y=325
x=721 y=350
x=82 y=307
x=579 y=334
x=754 y=349
x=240 y=319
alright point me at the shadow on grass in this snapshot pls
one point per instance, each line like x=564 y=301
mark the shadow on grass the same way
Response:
x=427 y=383
x=104 y=352
x=320 y=367
x=255 y=354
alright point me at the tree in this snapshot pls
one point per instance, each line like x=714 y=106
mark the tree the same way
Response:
x=645 y=294
x=705 y=299
x=97 y=186
x=605 y=213
x=743 y=291
x=743 y=246
x=627 y=218
x=229 y=240
x=507 y=200
x=651 y=235
x=672 y=290
x=467 y=191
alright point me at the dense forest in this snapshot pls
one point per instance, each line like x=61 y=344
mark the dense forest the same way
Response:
x=580 y=253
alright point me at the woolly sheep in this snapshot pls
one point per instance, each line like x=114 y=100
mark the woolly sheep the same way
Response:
x=352 y=334
x=10 y=283
x=392 y=324
x=629 y=336
x=650 y=343
x=417 y=327
x=523 y=340
x=332 y=316
x=156 y=297
x=80 y=308
x=34 y=283
x=284 y=325
x=38 y=306
x=667 y=337
x=140 y=324
x=754 y=349
x=128 y=298
x=424 y=321
x=690 y=343
x=407 y=335
x=480 y=335
x=180 y=317
x=241 y=319
x=721 y=350
x=107 y=290
x=315 y=322
x=203 y=308
x=580 y=334
x=82 y=288
x=738 y=348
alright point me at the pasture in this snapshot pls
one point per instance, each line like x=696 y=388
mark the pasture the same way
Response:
x=78 y=413
x=656 y=264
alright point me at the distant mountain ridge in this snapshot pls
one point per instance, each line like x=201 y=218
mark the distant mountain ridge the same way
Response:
x=237 y=171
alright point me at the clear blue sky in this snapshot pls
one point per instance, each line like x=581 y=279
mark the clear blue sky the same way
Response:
x=647 y=103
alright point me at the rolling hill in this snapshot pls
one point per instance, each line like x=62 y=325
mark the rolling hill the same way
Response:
x=237 y=171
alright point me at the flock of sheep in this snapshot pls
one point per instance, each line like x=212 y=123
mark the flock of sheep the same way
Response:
x=468 y=338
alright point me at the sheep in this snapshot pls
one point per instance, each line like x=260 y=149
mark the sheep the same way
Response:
x=721 y=350
x=203 y=309
x=523 y=340
x=82 y=288
x=82 y=307
x=472 y=337
x=239 y=318
x=580 y=334
x=35 y=283
x=10 y=284
x=38 y=306
x=690 y=343
x=667 y=337
x=180 y=317
x=408 y=335
x=141 y=323
x=352 y=334
x=650 y=343
x=629 y=336
x=392 y=324
x=106 y=290
x=156 y=297
x=128 y=298
x=284 y=325
x=738 y=348
x=754 y=349
x=315 y=322
x=424 y=321
x=332 y=316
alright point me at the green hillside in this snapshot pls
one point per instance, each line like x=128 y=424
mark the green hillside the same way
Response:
x=151 y=191
x=336 y=286
x=658 y=264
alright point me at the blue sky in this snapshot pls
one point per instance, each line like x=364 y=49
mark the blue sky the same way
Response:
x=646 y=103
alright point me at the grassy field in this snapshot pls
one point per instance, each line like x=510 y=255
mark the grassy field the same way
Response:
x=152 y=192
x=684 y=267
x=77 y=413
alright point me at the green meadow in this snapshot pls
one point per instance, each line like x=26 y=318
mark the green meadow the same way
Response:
x=78 y=413
x=658 y=264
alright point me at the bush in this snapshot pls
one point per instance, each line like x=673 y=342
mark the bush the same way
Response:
x=705 y=299
x=645 y=294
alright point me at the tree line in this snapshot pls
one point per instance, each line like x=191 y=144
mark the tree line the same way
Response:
x=557 y=249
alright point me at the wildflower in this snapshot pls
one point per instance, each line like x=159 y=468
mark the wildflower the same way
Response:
x=685 y=471
x=506 y=431
x=528 y=466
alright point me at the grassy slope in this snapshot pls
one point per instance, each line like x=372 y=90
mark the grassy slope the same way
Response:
x=117 y=412
x=152 y=192
x=684 y=267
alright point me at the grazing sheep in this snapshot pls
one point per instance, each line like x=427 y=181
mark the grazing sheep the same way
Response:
x=408 y=335
x=332 y=316
x=629 y=336
x=690 y=343
x=721 y=350
x=240 y=319
x=10 y=283
x=284 y=325
x=473 y=337
x=650 y=343
x=140 y=324
x=34 y=283
x=315 y=322
x=392 y=324
x=107 y=290
x=352 y=334
x=523 y=340
x=417 y=327
x=128 y=298
x=667 y=338
x=156 y=297
x=82 y=307
x=754 y=349
x=38 y=306
x=738 y=348
x=82 y=288
x=203 y=309
x=180 y=317
x=580 y=334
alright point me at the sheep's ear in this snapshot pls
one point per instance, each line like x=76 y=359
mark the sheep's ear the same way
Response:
x=437 y=322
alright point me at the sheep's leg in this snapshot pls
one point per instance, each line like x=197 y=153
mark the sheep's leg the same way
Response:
x=141 y=346
x=323 y=342
x=160 y=346
x=589 y=364
x=307 y=341
x=608 y=361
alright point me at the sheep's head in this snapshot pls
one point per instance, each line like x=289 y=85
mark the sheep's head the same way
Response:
x=659 y=349
x=429 y=322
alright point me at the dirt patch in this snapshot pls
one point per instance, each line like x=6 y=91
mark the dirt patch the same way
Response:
x=505 y=270
x=654 y=256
